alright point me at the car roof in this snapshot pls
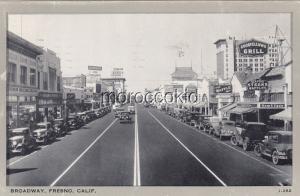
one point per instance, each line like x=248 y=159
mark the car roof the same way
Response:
x=282 y=132
x=43 y=123
x=21 y=129
x=255 y=123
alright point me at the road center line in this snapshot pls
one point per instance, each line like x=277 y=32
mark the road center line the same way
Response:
x=77 y=159
x=231 y=147
x=136 y=172
x=187 y=149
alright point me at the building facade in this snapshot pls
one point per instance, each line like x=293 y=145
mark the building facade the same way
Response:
x=22 y=81
x=50 y=96
x=230 y=57
x=76 y=81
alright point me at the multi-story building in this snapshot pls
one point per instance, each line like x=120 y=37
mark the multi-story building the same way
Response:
x=50 y=96
x=262 y=53
x=22 y=81
x=75 y=81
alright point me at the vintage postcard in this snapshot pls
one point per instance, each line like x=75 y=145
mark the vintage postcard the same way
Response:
x=139 y=99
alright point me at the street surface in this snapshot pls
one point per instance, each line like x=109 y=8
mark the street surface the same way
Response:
x=154 y=150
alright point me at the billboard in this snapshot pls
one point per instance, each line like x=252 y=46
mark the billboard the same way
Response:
x=253 y=48
x=257 y=85
x=224 y=88
x=96 y=68
x=117 y=72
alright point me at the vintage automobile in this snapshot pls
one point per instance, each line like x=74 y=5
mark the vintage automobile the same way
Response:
x=277 y=145
x=125 y=117
x=74 y=122
x=225 y=129
x=20 y=141
x=204 y=123
x=118 y=112
x=44 y=133
x=248 y=134
x=131 y=109
x=100 y=113
x=60 y=127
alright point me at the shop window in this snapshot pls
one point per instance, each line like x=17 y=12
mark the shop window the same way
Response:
x=32 y=77
x=23 y=75
x=12 y=70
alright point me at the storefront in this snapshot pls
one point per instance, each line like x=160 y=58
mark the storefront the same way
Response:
x=21 y=106
x=49 y=105
x=286 y=117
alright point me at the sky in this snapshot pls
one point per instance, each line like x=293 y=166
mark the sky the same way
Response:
x=145 y=45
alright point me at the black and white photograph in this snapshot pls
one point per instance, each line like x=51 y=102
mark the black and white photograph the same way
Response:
x=154 y=99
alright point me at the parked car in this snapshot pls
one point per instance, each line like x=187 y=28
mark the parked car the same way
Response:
x=44 y=133
x=100 y=113
x=277 y=145
x=131 y=109
x=60 y=127
x=225 y=129
x=74 y=122
x=20 y=141
x=125 y=117
x=248 y=134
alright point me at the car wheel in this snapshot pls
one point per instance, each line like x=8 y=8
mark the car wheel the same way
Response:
x=245 y=146
x=257 y=150
x=233 y=140
x=275 y=157
x=23 y=151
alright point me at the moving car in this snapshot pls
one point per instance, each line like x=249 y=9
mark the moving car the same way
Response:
x=20 y=141
x=277 y=145
x=125 y=117
x=248 y=134
x=131 y=109
x=225 y=129
x=44 y=133
x=118 y=112
x=60 y=127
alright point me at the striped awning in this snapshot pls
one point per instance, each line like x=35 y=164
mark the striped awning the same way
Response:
x=283 y=115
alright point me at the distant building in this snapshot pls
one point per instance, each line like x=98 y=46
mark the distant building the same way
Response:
x=230 y=59
x=184 y=74
x=75 y=81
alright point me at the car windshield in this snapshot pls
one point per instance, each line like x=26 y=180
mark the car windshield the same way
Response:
x=16 y=134
x=286 y=139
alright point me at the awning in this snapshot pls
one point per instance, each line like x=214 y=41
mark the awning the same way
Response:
x=228 y=107
x=283 y=115
x=241 y=110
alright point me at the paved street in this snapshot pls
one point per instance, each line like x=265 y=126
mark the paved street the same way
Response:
x=155 y=149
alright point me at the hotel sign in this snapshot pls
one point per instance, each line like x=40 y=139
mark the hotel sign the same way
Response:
x=253 y=48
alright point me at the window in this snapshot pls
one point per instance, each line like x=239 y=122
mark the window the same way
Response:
x=32 y=77
x=58 y=83
x=261 y=64
x=250 y=60
x=261 y=60
x=256 y=60
x=23 y=75
x=251 y=65
x=45 y=81
x=240 y=60
x=256 y=69
x=12 y=70
x=39 y=79
x=240 y=69
x=256 y=65
x=52 y=79
x=240 y=65
x=245 y=60
x=261 y=69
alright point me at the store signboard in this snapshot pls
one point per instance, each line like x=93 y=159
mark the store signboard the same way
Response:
x=70 y=96
x=272 y=105
x=257 y=85
x=96 y=68
x=253 y=48
x=225 y=88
